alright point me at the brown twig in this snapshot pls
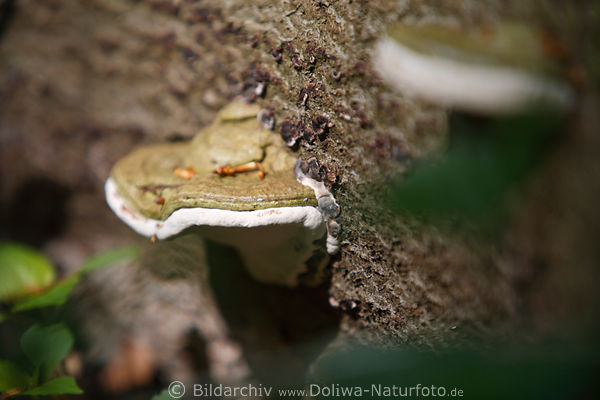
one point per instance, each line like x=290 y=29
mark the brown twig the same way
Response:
x=229 y=170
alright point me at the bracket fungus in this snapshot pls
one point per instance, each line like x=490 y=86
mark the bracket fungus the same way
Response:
x=241 y=191
x=486 y=72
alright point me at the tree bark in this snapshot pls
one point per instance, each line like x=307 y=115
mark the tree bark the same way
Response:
x=84 y=82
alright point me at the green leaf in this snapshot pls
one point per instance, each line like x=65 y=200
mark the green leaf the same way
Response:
x=22 y=271
x=110 y=257
x=56 y=296
x=11 y=377
x=164 y=395
x=46 y=346
x=60 y=385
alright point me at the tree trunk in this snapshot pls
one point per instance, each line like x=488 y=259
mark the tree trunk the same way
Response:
x=84 y=82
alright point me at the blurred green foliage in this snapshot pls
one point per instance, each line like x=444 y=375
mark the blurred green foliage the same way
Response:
x=54 y=296
x=23 y=271
x=60 y=385
x=59 y=292
x=28 y=284
x=46 y=346
x=11 y=377
x=163 y=395
x=552 y=371
x=486 y=159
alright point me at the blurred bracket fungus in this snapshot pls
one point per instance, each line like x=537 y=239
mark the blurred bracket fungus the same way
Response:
x=271 y=219
x=491 y=72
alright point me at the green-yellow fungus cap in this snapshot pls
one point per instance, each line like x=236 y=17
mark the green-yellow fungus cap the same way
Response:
x=146 y=178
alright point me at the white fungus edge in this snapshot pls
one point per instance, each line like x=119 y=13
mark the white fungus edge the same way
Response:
x=477 y=88
x=321 y=191
x=183 y=218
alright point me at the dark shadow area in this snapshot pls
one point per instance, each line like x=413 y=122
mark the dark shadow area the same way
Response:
x=37 y=211
x=282 y=329
x=7 y=10
x=552 y=370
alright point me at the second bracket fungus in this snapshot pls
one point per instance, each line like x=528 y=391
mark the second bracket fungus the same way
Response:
x=240 y=191
x=495 y=72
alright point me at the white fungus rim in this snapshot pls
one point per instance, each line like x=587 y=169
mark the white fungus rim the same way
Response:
x=478 y=88
x=322 y=193
x=183 y=218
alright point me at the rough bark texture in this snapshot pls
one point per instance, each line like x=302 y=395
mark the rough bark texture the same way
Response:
x=83 y=82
